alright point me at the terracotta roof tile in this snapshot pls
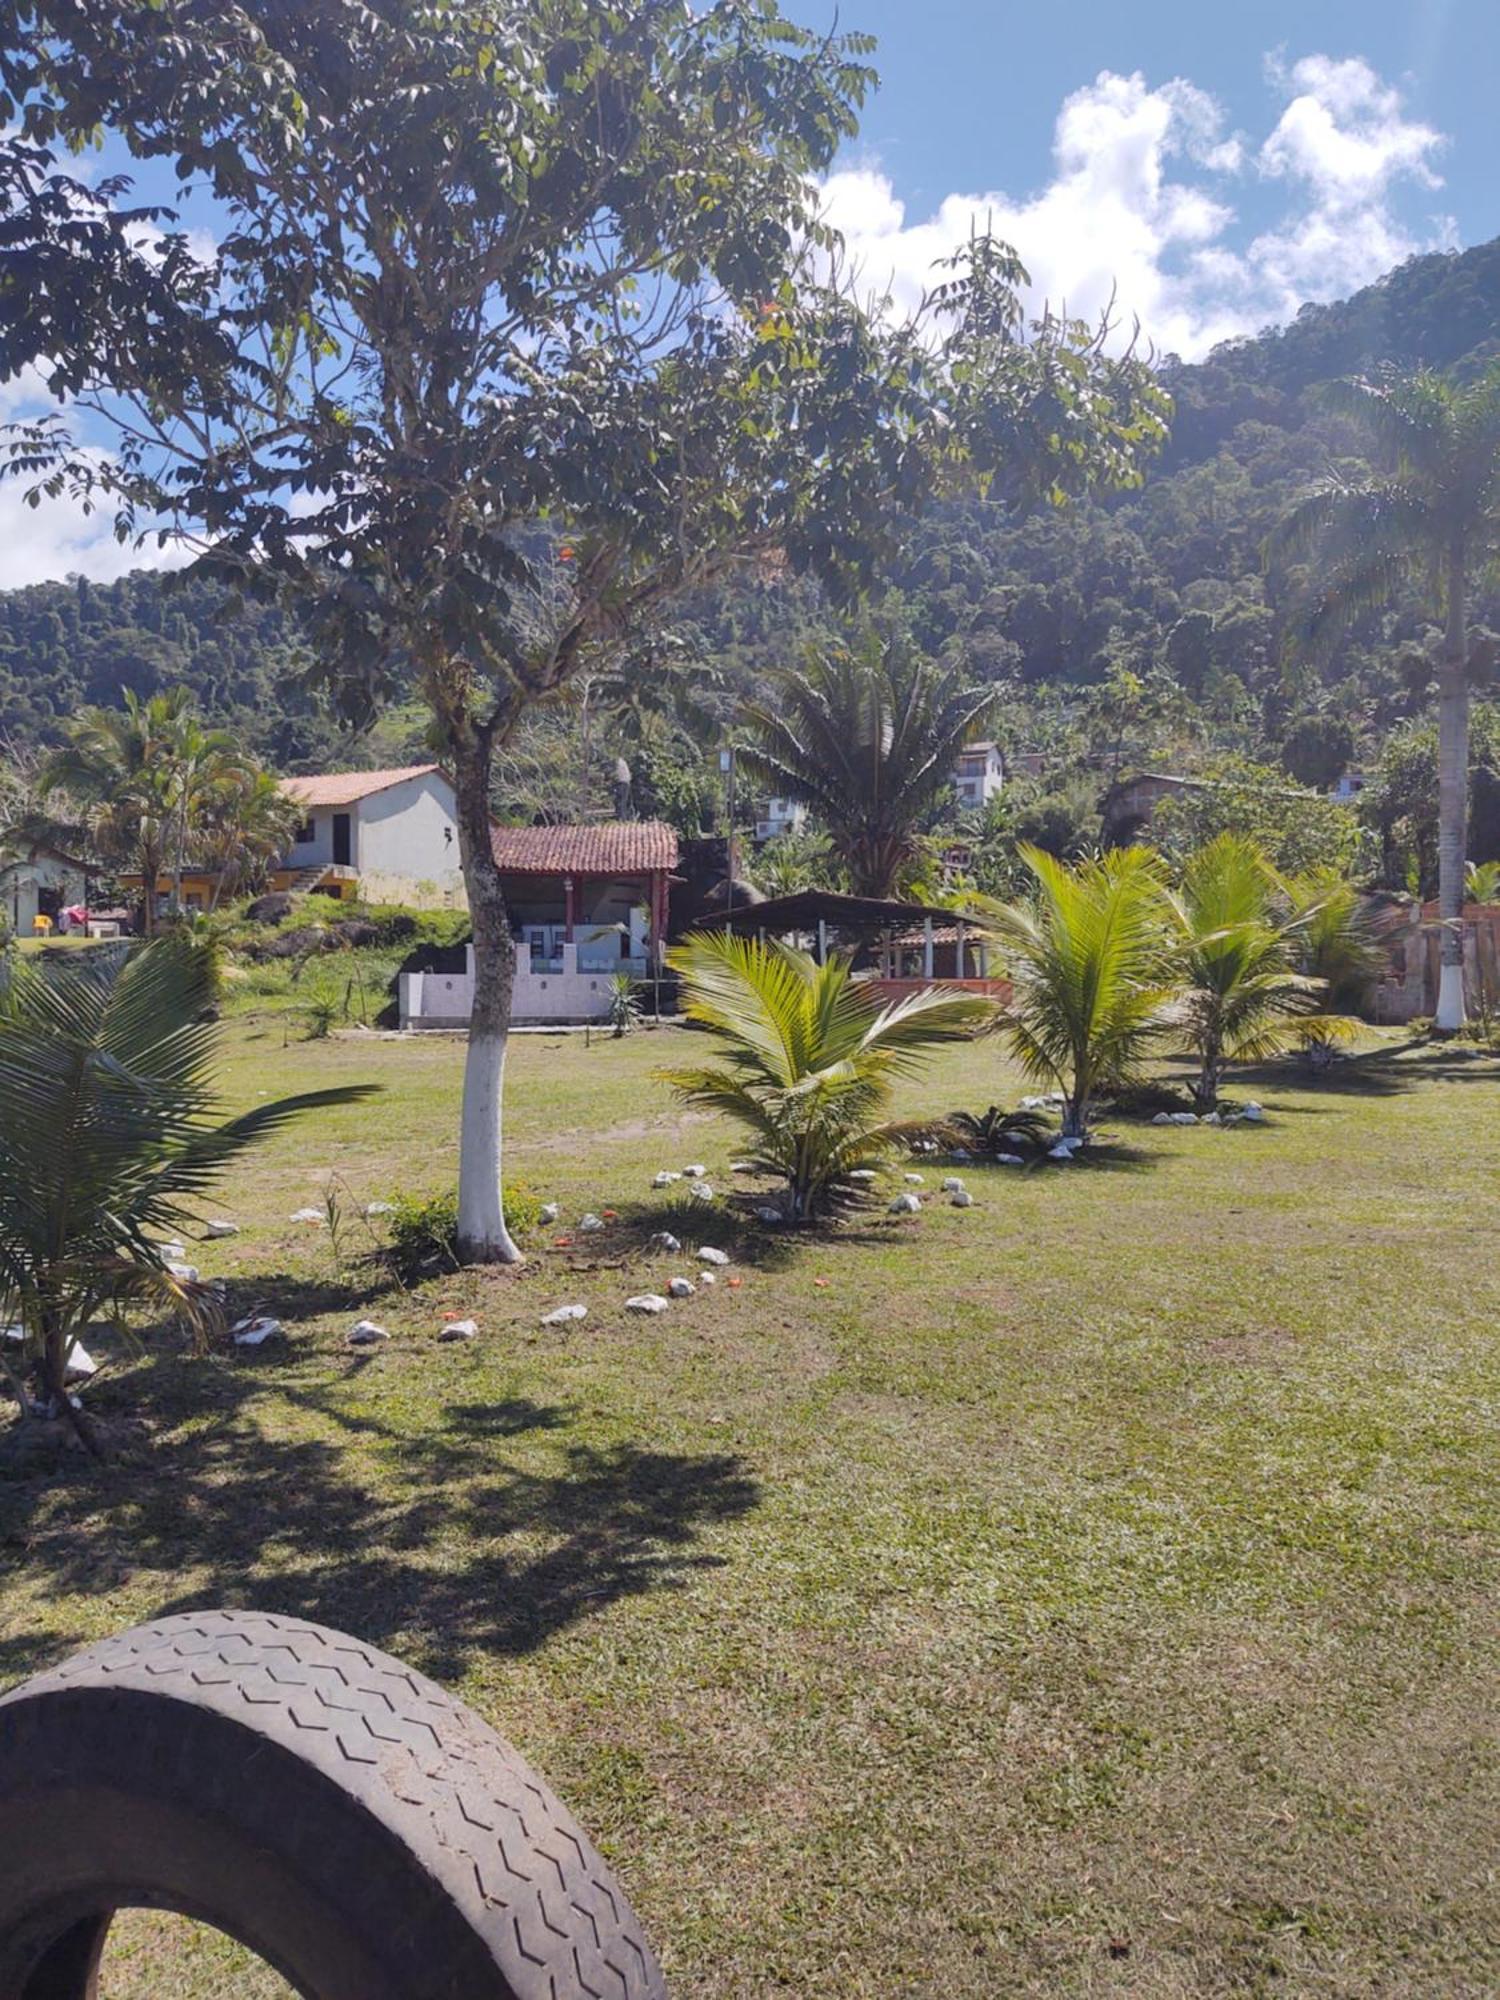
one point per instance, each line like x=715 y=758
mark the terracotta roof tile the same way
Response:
x=347 y=788
x=616 y=847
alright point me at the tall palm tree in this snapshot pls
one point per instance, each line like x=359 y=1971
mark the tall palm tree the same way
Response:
x=245 y=821
x=201 y=763
x=1428 y=515
x=111 y=1133
x=1089 y=956
x=808 y=1058
x=116 y=766
x=865 y=736
x=1242 y=992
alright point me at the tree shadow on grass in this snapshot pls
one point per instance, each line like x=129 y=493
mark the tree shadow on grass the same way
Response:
x=1391 y=1071
x=489 y=1530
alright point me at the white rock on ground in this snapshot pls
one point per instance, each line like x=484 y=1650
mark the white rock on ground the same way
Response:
x=78 y=1367
x=306 y=1215
x=709 y=1255
x=647 y=1302
x=216 y=1231
x=1162 y=1118
x=905 y=1204
x=366 y=1333
x=915 y=1180
x=701 y=1191
x=564 y=1315
x=682 y=1288
x=256 y=1332
x=664 y=1179
x=1061 y=1151
x=1184 y=1117
x=962 y=1198
x=742 y=1166
x=1254 y=1113
x=1009 y=1160
x=186 y=1274
x=460 y=1329
x=592 y=1222
x=707 y=1278
x=380 y=1208
x=694 y=1173
x=771 y=1217
x=548 y=1212
x=1213 y=1118
x=863 y=1174
x=665 y=1240
x=953 y=1184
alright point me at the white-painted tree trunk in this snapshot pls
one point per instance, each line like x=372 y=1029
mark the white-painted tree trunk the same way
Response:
x=1453 y=800
x=482 y=1233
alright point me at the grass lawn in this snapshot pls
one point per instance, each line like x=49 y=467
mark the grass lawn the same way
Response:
x=1091 y=1592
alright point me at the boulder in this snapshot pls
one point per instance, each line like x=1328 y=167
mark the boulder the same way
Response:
x=564 y=1315
x=216 y=1231
x=1063 y=1150
x=906 y=1204
x=548 y=1213
x=695 y=1173
x=1009 y=1160
x=953 y=1184
x=646 y=1302
x=1184 y=1117
x=707 y=1278
x=79 y=1365
x=185 y=1274
x=172 y=1251
x=701 y=1191
x=708 y=1255
x=460 y=1329
x=962 y=1198
x=270 y=909
x=665 y=1240
x=1162 y=1118
x=366 y=1333
x=742 y=1167
x=771 y=1217
x=1213 y=1118
x=682 y=1288
x=864 y=1175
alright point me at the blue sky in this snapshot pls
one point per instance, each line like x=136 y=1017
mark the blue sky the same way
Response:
x=1216 y=164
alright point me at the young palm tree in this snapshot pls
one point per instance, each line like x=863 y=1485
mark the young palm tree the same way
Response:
x=1090 y=960
x=808 y=1059
x=866 y=737
x=1339 y=946
x=1242 y=991
x=1482 y=882
x=245 y=821
x=111 y=1131
x=116 y=765
x=1428 y=516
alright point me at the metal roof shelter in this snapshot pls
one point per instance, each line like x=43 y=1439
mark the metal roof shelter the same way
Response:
x=820 y=913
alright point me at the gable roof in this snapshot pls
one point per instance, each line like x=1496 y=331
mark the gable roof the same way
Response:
x=615 y=847
x=347 y=788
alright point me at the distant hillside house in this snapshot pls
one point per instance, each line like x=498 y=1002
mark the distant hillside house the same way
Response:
x=774 y=817
x=979 y=774
x=39 y=882
x=586 y=903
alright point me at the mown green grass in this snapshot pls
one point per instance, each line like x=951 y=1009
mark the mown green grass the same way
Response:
x=1090 y=1592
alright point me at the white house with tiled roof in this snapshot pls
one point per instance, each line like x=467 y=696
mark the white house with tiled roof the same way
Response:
x=386 y=836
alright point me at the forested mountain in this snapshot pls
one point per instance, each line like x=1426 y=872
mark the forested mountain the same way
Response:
x=1143 y=627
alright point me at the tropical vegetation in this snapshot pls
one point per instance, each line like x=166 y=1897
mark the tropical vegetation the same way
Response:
x=806 y=1061
x=112 y=1136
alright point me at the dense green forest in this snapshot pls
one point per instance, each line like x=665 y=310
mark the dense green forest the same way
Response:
x=1142 y=629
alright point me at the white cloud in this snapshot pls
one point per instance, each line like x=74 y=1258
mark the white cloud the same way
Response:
x=56 y=539
x=1142 y=204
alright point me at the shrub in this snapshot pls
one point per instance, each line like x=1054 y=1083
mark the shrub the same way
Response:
x=423 y=1228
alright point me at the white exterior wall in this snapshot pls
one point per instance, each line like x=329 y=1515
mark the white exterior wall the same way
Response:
x=20 y=882
x=406 y=843
x=977 y=788
x=319 y=850
x=446 y=999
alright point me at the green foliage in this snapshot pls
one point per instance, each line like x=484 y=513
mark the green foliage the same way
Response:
x=808 y=1060
x=1296 y=830
x=111 y=1134
x=1339 y=945
x=799 y=860
x=1241 y=994
x=866 y=735
x=422 y=1229
x=1399 y=803
x=624 y=1009
x=1089 y=955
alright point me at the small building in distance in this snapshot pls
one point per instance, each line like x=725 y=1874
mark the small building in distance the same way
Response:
x=979 y=774
x=383 y=836
x=774 y=817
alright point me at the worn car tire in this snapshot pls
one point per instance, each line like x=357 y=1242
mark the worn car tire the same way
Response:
x=360 y=1829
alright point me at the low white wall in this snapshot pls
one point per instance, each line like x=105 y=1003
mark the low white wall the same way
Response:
x=446 y=999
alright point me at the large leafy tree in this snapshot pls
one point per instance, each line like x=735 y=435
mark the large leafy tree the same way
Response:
x=112 y=1134
x=866 y=735
x=522 y=323
x=1427 y=514
x=806 y=1059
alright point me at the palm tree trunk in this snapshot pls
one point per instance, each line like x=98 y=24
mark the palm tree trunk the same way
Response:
x=482 y=1235
x=1453 y=789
